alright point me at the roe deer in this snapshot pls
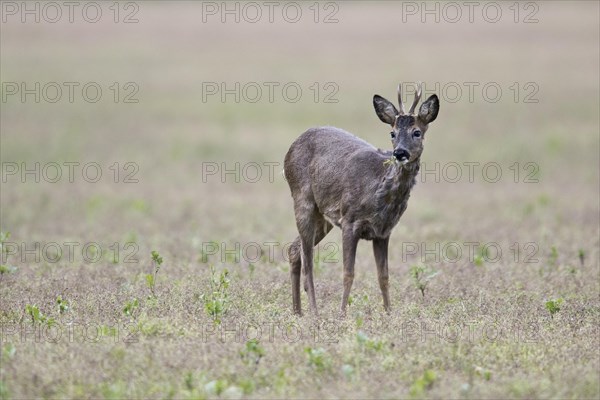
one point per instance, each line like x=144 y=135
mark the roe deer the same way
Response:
x=339 y=179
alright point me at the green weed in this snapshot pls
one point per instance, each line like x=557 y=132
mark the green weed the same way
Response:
x=157 y=260
x=252 y=352
x=5 y=268
x=63 y=305
x=318 y=358
x=131 y=307
x=37 y=316
x=422 y=275
x=423 y=383
x=553 y=306
x=216 y=302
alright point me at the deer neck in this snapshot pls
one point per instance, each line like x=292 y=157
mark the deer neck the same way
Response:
x=396 y=184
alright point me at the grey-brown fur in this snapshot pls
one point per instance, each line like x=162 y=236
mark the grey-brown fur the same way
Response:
x=339 y=179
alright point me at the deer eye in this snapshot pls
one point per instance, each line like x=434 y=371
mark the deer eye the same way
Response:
x=417 y=134
x=392 y=134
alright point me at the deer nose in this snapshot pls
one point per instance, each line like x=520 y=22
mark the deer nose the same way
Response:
x=401 y=155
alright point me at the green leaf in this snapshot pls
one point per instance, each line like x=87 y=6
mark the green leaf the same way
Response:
x=150 y=280
x=553 y=306
x=7 y=269
x=9 y=351
x=4 y=236
x=156 y=257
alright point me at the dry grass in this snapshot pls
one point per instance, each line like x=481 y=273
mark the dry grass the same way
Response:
x=482 y=330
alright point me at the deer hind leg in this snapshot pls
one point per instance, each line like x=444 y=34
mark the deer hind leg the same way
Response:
x=295 y=268
x=295 y=256
x=322 y=228
x=306 y=245
x=312 y=227
x=304 y=209
x=319 y=230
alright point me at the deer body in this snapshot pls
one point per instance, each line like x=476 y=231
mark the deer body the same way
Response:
x=341 y=174
x=339 y=179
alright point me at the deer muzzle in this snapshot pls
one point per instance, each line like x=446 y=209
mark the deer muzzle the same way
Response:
x=402 y=155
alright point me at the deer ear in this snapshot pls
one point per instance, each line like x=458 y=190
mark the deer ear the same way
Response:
x=429 y=109
x=385 y=110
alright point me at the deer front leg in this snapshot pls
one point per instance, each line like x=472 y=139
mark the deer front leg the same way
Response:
x=349 y=243
x=380 y=250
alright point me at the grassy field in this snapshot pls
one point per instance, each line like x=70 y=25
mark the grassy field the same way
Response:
x=189 y=135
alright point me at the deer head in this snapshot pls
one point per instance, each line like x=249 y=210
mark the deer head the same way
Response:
x=408 y=129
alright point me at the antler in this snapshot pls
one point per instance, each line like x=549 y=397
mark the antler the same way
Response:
x=417 y=98
x=402 y=111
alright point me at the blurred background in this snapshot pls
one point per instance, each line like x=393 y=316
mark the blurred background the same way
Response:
x=524 y=91
x=165 y=124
